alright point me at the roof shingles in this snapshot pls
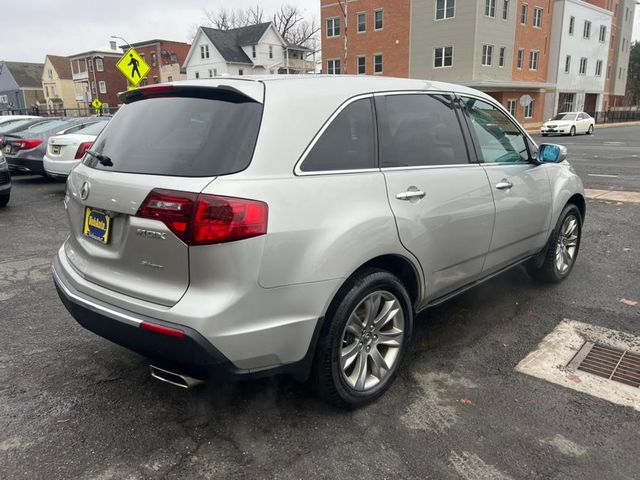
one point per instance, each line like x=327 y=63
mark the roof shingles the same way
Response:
x=26 y=75
x=230 y=42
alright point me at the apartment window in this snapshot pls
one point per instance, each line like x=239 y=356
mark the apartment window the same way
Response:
x=487 y=55
x=102 y=86
x=210 y=73
x=93 y=87
x=572 y=25
x=204 y=51
x=603 y=33
x=537 y=17
x=599 y=68
x=528 y=110
x=445 y=9
x=270 y=51
x=155 y=79
x=90 y=65
x=333 y=67
x=154 y=60
x=333 y=27
x=378 y=20
x=533 y=59
x=524 y=12
x=587 y=29
x=503 y=52
x=520 y=62
x=215 y=72
x=505 y=9
x=377 y=63
x=197 y=74
x=240 y=71
x=567 y=64
x=583 y=66
x=253 y=51
x=443 y=57
x=173 y=57
x=362 y=22
x=169 y=78
x=99 y=65
x=50 y=74
x=362 y=65
x=511 y=106
x=490 y=8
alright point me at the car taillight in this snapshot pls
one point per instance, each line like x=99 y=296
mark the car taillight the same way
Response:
x=82 y=149
x=25 y=144
x=199 y=219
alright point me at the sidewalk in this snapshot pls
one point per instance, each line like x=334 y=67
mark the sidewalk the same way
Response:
x=532 y=130
x=612 y=195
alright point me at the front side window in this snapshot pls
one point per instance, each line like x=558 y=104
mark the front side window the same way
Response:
x=499 y=139
x=487 y=55
x=362 y=22
x=490 y=8
x=348 y=143
x=443 y=57
x=445 y=9
x=537 y=17
x=378 y=20
x=333 y=27
x=420 y=130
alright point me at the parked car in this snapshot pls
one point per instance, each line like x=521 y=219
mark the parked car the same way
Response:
x=17 y=126
x=569 y=123
x=8 y=119
x=24 y=150
x=65 y=151
x=5 y=181
x=241 y=226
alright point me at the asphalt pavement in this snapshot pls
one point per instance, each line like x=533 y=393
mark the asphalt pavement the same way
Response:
x=73 y=405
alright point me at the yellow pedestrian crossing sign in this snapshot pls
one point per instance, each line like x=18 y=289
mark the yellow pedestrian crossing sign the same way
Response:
x=133 y=66
x=97 y=104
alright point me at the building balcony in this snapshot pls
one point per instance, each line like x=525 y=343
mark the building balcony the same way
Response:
x=80 y=76
x=300 y=65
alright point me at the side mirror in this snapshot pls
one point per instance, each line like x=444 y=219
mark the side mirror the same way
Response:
x=550 y=153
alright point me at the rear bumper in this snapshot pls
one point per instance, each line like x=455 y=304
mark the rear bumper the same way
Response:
x=58 y=168
x=25 y=165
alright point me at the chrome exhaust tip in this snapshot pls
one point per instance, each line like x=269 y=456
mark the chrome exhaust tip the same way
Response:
x=182 y=381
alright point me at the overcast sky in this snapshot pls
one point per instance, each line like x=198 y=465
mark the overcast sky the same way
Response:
x=33 y=28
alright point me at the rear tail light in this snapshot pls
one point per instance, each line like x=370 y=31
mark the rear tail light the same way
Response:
x=199 y=219
x=82 y=149
x=25 y=144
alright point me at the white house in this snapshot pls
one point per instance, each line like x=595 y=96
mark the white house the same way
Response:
x=252 y=50
x=580 y=36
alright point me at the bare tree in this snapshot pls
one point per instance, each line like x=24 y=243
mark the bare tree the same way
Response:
x=294 y=27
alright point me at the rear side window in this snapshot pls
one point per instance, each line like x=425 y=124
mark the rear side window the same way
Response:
x=185 y=136
x=348 y=143
x=420 y=130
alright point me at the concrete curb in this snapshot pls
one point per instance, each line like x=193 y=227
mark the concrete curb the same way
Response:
x=612 y=195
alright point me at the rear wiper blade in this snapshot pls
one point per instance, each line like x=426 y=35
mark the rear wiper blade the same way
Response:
x=103 y=159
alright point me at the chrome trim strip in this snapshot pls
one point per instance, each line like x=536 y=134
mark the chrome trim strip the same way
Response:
x=431 y=167
x=113 y=314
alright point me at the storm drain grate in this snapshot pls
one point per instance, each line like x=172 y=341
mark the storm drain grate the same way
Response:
x=618 y=365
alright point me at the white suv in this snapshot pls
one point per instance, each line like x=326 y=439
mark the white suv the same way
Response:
x=253 y=226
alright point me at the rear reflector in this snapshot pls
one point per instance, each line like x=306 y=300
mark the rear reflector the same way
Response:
x=162 y=330
x=199 y=219
x=82 y=149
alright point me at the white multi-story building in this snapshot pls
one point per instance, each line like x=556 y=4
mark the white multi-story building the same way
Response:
x=252 y=50
x=579 y=51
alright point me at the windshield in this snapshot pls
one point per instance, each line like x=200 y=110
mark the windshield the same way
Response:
x=565 y=116
x=45 y=126
x=187 y=136
x=5 y=127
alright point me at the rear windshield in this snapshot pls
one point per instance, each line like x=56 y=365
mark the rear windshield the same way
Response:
x=46 y=126
x=181 y=136
x=93 y=129
x=12 y=126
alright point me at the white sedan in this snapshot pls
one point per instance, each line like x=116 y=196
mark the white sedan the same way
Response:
x=66 y=151
x=569 y=123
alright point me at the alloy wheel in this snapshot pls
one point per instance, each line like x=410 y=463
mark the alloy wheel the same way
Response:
x=567 y=244
x=372 y=340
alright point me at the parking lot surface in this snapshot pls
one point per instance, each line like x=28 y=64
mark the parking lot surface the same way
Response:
x=73 y=405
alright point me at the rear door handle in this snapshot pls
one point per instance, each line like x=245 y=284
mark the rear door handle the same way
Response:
x=504 y=184
x=411 y=195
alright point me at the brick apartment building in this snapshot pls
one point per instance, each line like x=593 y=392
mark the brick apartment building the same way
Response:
x=165 y=58
x=95 y=75
x=502 y=47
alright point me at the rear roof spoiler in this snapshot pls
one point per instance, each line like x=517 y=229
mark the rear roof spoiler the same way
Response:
x=250 y=89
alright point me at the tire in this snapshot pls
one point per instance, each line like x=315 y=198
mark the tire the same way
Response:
x=4 y=199
x=343 y=347
x=572 y=132
x=590 y=130
x=553 y=268
x=544 y=134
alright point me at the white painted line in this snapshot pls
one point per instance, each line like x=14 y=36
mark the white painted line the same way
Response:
x=549 y=361
x=602 y=175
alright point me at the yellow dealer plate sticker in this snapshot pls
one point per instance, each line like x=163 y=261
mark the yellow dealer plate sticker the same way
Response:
x=97 y=225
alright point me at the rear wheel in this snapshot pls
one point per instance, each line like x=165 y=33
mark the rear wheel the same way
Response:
x=572 y=132
x=365 y=337
x=562 y=249
x=4 y=199
x=590 y=131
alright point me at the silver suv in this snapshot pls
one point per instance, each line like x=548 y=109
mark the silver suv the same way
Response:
x=254 y=226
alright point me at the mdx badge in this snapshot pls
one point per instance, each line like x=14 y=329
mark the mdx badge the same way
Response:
x=151 y=234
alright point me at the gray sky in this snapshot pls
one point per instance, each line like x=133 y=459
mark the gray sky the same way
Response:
x=64 y=27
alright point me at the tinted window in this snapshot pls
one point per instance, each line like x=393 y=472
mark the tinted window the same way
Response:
x=94 y=128
x=46 y=126
x=499 y=139
x=347 y=143
x=420 y=130
x=184 y=136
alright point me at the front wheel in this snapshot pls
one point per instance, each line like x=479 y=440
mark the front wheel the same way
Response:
x=590 y=131
x=365 y=337
x=562 y=249
x=572 y=132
